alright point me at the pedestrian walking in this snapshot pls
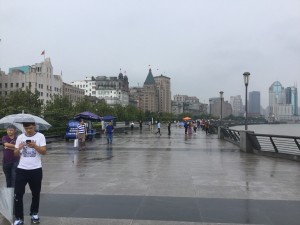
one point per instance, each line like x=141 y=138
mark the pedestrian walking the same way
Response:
x=158 y=128
x=185 y=127
x=141 y=125
x=30 y=146
x=169 y=128
x=81 y=135
x=195 y=127
x=207 y=127
x=109 y=132
x=131 y=125
x=10 y=161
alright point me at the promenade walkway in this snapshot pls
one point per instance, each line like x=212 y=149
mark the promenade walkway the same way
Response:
x=146 y=179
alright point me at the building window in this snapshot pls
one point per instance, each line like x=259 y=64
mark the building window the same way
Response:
x=11 y=85
x=23 y=85
x=5 y=85
x=17 y=84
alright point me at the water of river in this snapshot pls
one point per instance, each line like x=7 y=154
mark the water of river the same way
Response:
x=279 y=129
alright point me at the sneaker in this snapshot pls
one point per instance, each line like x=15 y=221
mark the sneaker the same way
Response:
x=35 y=218
x=18 y=222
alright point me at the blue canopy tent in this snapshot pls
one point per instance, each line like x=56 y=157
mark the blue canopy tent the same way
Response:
x=72 y=125
x=108 y=118
x=87 y=116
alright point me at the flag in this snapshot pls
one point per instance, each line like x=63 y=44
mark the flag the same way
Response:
x=43 y=52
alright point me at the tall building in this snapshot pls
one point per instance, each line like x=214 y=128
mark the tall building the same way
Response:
x=237 y=105
x=254 y=104
x=188 y=104
x=150 y=94
x=163 y=86
x=114 y=90
x=283 y=103
x=38 y=77
x=292 y=98
x=215 y=110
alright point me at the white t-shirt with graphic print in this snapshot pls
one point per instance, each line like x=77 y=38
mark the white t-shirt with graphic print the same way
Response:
x=30 y=158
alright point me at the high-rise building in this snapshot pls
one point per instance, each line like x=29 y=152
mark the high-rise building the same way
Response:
x=163 y=86
x=276 y=96
x=283 y=103
x=254 y=104
x=237 y=105
x=38 y=77
x=292 y=98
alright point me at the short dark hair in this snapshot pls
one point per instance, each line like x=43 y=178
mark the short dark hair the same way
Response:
x=28 y=124
x=11 y=127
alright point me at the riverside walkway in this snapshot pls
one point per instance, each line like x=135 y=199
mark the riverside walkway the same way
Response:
x=146 y=179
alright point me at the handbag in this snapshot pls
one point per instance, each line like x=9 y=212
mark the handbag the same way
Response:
x=75 y=143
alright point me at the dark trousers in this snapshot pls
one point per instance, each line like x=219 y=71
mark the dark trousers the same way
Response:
x=9 y=170
x=34 y=179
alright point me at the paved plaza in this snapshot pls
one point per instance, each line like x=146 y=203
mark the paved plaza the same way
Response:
x=146 y=179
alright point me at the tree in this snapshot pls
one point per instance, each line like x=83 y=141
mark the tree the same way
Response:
x=84 y=105
x=58 y=111
x=21 y=101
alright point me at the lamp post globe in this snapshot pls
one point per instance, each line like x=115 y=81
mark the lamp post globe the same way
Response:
x=246 y=81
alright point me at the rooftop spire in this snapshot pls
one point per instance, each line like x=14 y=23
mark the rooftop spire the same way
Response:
x=150 y=78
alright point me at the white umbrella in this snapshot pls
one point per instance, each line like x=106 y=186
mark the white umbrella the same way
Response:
x=19 y=126
x=7 y=203
x=24 y=118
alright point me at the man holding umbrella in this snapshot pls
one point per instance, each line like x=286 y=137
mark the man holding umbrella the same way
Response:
x=30 y=146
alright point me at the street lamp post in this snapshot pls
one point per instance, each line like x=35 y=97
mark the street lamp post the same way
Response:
x=210 y=108
x=246 y=81
x=221 y=98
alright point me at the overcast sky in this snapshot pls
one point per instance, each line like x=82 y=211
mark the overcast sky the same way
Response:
x=204 y=46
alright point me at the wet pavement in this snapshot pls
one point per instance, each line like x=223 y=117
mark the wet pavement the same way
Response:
x=146 y=179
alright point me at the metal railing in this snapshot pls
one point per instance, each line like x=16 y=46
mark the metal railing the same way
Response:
x=264 y=143
x=275 y=143
x=231 y=135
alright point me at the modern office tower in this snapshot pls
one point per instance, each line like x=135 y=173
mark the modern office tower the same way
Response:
x=237 y=105
x=38 y=77
x=163 y=86
x=276 y=96
x=282 y=102
x=292 y=98
x=254 y=104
